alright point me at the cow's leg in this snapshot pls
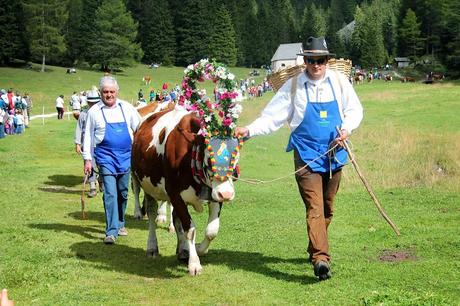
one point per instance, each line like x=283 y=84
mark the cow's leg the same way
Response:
x=180 y=210
x=211 y=229
x=162 y=210
x=171 y=223
x=152 y=244
x=182 y=251
x=136 y=190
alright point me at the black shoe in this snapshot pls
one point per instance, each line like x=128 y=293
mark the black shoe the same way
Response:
x=322 y=270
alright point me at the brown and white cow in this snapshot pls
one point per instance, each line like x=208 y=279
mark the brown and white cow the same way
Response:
x=161 y=164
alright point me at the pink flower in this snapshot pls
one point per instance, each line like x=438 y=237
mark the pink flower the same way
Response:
x=221 y=114
x=227 y=121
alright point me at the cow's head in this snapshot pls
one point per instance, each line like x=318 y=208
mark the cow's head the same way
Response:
x=220 y=162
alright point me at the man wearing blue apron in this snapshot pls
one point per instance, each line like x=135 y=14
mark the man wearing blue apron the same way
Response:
x=314 y=103
x=109 y=130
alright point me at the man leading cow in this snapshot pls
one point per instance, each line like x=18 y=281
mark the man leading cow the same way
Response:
x=109 y=130
x=313 y=104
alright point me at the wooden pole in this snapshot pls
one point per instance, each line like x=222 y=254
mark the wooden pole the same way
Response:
x=82 y=198
x=368 y=187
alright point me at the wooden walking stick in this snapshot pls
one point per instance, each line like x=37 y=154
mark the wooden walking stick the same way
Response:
x=368 y=187
x=82 y=198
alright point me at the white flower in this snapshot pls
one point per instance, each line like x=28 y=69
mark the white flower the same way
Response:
x=207 y=118
x=230 y=76
x=232 y=125
x=235 y=115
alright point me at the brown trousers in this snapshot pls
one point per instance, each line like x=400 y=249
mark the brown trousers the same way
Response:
x=318 y=191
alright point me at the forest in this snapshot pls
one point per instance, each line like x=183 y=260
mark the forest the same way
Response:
x=107 y=34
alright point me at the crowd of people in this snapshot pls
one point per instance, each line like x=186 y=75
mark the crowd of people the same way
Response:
x=15 y=111
x=165 y=94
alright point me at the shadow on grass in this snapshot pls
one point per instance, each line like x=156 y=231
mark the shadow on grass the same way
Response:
x=126 y=259
x=131 y=260
x=65 y=180
x=99 y=216
x=84 y=231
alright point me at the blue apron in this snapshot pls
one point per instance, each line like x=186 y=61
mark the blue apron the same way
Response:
x=312 y=137
x=114 y=152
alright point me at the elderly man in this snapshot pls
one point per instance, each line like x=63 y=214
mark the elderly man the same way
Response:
x=313 y=104
x=109 y=130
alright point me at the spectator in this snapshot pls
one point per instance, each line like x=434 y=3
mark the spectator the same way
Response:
x=76 y=106
x=152 y=95
x=92 y=99
x=19 y=122
x=60 y=106
x=110 y=125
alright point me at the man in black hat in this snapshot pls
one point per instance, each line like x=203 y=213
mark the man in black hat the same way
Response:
x=313 y=104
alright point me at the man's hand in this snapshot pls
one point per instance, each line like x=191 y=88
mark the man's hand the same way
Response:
x=242 y=132
x=4 y=301
x=341 y=139
x=87 y=167
x=78 y=148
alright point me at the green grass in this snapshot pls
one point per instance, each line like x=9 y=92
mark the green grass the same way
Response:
x=406 y=147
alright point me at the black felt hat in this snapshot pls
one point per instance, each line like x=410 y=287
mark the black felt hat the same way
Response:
x=316 y=46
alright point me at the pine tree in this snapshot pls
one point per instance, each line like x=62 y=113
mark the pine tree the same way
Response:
x=87 y=34
x=409 y=34
x=222 y=39
x=73 y=33
x=314 y=23
x=192 y=28
x=156 y=33
x=14 y=43
x=452 y=38
x=44 y=26
x=114 y=45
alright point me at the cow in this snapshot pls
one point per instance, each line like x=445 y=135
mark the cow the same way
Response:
x=370 y=77
x=388 y=78
x=146 y=79
x=139 y=212
x=164 y=163
x=359 y=78
x=438 y=76
x=407 y=79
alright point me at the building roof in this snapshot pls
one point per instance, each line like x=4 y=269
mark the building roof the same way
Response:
x=402 y=59
x=287 y=52
x=347 y=31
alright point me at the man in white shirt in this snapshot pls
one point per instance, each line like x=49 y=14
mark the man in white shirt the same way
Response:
x=110 y=125
x=75 y=103
x=313 y=104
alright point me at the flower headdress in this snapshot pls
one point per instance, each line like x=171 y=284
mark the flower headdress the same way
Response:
x=217 y=118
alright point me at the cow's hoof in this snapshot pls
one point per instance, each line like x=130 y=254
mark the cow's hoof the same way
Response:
x=183 y=256
x=160 y=219
x=153 y=253
x=172 y=229
x=195 y=269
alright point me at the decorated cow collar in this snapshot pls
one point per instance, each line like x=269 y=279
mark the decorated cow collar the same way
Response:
x=222 y=156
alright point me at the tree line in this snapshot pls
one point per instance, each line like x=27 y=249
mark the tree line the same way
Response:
x=107 y=34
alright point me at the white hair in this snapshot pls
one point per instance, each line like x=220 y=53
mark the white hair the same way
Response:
x=108 y=80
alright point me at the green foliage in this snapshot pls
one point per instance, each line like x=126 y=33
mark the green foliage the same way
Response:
x=222 y=39
x=44 y=24
x=314 y=23
x=156 y=32
x=409 y=35
x=12 y=32
x=73 y=34
x=116 y=31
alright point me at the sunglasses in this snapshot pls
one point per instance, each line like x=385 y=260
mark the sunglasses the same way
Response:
x=319 y=61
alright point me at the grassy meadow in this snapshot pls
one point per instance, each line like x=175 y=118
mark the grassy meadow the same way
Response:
x=406 y=147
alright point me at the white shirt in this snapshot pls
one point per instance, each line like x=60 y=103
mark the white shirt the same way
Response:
x=59 y=102
x=75 y=101
x=95 y=124
x=280 y=109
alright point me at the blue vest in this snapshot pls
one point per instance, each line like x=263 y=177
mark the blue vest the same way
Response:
x=114 y=152
x=312 y=137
